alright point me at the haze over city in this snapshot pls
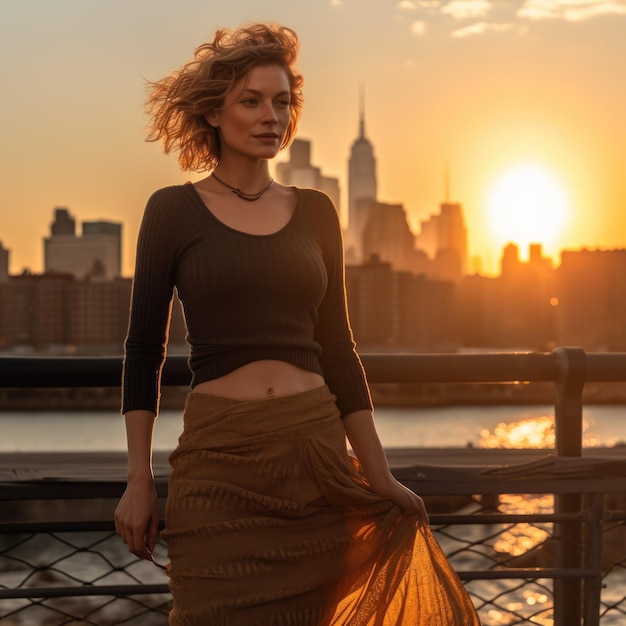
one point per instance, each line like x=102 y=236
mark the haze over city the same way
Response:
x=516 y=98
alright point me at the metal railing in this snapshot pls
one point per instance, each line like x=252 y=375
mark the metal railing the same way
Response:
x=576 y=524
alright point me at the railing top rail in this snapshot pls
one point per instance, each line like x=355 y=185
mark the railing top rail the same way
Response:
x=106 y=371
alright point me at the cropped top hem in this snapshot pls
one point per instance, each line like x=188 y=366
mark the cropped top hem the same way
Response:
x=213 y=370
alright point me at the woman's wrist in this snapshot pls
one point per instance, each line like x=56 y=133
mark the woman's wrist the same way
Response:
x=380 y=479
x=139 y=430
x=140 y=475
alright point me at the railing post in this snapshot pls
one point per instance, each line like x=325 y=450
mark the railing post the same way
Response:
x=568 y=417
x=568 y=406
x=594 y=547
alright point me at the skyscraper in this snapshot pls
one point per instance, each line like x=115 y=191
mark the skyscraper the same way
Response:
x=362 y=190
x=298 y=171
x=443 y=237
x=64 y=223
x=97 y=253
x=387 y=235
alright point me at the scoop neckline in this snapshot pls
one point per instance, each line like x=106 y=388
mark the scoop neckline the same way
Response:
x=202 y=206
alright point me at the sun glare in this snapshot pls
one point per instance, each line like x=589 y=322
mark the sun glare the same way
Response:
x=526 y=205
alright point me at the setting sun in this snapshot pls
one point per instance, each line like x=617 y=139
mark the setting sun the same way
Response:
x=527 y=205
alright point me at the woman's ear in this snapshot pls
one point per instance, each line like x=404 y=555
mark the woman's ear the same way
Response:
x=212 y=118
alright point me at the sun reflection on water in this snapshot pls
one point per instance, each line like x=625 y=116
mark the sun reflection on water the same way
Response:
x=531 y=432
x=519 y=539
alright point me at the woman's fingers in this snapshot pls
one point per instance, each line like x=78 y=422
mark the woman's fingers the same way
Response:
x=422 y=509
x=137 y=521
x=153 y=532
x=139 y=538
x=137 y=543
x=408 y=499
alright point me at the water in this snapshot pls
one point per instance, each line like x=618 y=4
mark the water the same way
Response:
x=26 y=431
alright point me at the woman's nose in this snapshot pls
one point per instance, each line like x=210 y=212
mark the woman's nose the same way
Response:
x=269 y=114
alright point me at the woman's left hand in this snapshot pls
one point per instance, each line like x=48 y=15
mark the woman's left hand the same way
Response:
x=395 y=491
x=361 y=432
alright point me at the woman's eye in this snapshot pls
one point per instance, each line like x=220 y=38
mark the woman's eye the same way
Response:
x=249 y=101
x=283 y=103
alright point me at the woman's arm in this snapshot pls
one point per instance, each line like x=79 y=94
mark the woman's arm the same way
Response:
x=343 y=371
x=137 y=514
x=361 y=432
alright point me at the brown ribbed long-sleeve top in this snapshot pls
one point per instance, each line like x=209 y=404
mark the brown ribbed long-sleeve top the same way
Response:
x=245 y=297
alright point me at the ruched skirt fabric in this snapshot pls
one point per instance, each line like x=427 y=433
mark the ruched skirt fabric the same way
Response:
x=270 y=523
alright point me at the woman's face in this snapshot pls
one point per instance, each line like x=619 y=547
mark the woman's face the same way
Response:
x=255 y=115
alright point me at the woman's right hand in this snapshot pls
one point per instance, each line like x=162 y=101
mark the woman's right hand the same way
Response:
x=137 y=517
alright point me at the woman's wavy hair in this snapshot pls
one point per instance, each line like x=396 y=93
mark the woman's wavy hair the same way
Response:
x=177 y=104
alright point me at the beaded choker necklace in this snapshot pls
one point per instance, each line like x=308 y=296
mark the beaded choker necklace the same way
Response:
x=250 y=197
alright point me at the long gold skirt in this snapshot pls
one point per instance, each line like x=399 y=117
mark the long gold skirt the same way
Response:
x=270 y=523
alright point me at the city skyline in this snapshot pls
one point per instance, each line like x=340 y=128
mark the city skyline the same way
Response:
x=478 y=87
x=423 y=243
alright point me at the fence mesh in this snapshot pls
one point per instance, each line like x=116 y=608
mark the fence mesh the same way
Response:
x=83 y=562
x=57 y=561
x=613 y=596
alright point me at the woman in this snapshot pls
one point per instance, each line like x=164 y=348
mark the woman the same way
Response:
x=268 y=520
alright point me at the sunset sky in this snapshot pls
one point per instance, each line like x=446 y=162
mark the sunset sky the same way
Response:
x=521 y=98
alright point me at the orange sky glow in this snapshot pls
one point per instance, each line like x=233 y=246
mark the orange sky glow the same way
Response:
x=484 y=88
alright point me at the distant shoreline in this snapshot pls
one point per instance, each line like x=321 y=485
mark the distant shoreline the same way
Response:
x=383 y=395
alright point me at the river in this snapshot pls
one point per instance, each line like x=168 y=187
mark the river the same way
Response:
x=479 y=426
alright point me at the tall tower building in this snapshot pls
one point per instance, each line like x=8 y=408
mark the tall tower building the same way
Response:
x=362 y=190
x=298 y=171
x=96 y=254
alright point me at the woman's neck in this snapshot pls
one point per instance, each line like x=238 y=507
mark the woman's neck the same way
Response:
x=243 y=173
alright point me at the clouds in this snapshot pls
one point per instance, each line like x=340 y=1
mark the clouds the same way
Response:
x=570 y=10
x=464 y=9
x=465 y=18
x=478 y=28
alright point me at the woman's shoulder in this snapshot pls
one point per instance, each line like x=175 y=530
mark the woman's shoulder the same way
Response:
x=321 y=218
x=169 y=215
x=169 y=202
x=314 y=196
x=165 y=196
x=318 y=204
